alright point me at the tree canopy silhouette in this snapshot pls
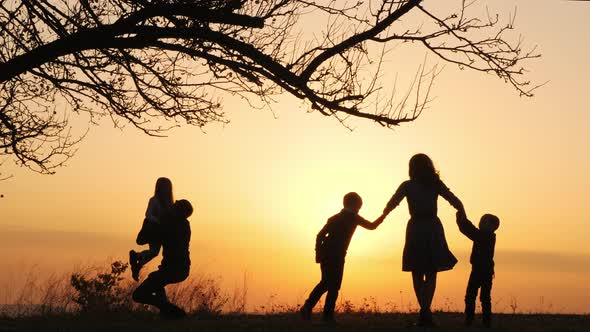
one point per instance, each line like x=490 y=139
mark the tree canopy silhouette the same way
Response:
x=142 y=61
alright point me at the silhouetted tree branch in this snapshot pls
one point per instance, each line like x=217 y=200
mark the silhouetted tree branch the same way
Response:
x=142 y=61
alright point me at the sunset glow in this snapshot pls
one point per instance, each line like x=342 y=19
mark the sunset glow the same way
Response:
x=264 y=184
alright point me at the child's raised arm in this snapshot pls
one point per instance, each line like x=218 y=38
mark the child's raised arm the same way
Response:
x=466 y=227
x=319 y=240
x=371 y=225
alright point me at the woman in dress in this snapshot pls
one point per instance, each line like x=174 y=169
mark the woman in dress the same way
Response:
x=426 y=251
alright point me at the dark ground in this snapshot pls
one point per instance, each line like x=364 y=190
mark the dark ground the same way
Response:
x=291 y=322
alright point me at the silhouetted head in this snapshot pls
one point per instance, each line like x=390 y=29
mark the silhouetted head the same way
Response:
x=352 y=201
x=489 y=223
x=422 y=170
x=182 y=208
x=163 y=192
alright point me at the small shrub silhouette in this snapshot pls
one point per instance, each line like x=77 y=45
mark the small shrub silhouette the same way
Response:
x=102 y=292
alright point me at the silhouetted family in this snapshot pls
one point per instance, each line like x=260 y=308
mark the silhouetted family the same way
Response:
x=425 y=251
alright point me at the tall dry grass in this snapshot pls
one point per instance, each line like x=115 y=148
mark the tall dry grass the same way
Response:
x=107 y=288
x=99 y=289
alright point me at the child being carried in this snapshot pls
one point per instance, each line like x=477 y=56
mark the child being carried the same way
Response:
x=158 y=208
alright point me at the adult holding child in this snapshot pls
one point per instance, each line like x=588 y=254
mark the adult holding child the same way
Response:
x=174 y=233
x=426 y=251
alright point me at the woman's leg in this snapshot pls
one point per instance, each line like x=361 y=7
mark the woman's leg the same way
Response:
x=429 y=288
x=418 y=281
x=424 y=285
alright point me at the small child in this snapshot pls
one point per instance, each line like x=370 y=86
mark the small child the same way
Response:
x=482 y=264
x=158 y=207
x=331 y=245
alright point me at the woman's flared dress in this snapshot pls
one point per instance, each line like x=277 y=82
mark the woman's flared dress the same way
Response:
x=426 y=248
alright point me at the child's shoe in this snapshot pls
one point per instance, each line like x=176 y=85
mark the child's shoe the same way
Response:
x=486 y=316
x=469 y=313
x=134 y=263
x=305 y=312
x=468 y=319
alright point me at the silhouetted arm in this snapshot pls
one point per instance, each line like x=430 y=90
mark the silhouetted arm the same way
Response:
x=466 y=227
x=322 y=235
x=397 y=197
x=370 y=225
x=446 y=193
x=319 y=241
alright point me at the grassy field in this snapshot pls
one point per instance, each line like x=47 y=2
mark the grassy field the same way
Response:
x=75 y=304
x=291 y=322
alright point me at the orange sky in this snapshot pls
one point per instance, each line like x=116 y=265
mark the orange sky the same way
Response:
x=263 y=187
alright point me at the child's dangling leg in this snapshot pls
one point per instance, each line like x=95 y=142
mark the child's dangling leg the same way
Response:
x=138 y=259
x=147 y=255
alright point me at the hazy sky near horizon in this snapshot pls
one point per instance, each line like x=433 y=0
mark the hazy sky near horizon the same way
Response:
x=264 y=184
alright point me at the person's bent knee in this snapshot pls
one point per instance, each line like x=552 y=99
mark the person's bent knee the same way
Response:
x=142 y=294
x=139 y=295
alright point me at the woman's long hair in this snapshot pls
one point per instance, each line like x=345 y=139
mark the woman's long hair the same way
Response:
x=422 y=170
x=163 y=192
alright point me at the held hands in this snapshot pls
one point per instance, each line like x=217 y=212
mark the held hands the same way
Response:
x=386 y=211
x=461 y=216
x=380 y=220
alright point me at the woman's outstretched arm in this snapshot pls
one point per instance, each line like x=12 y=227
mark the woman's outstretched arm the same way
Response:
x=446 y=193
x=397 y=197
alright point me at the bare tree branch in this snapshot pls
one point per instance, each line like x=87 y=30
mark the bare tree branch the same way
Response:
x=158 y=64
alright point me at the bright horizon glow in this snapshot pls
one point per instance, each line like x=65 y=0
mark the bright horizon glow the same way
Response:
x=263 y=187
